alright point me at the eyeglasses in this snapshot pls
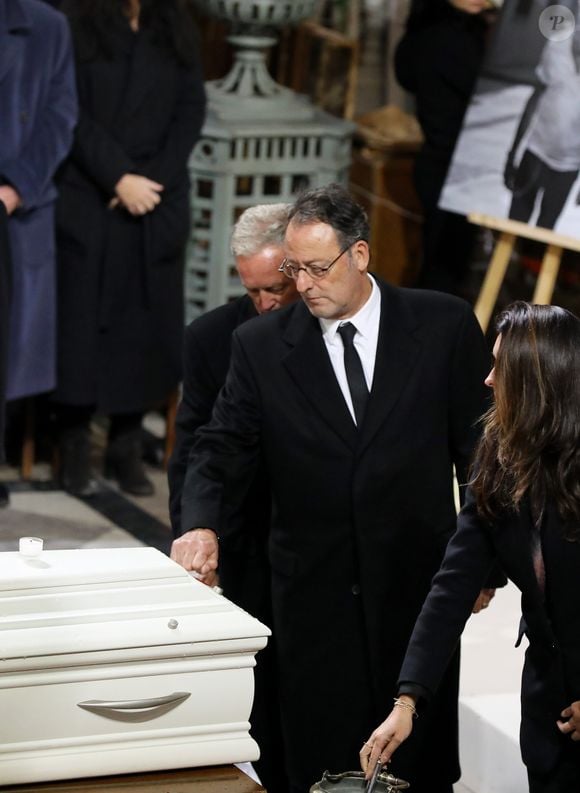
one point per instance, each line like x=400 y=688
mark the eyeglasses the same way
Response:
x=314 y=271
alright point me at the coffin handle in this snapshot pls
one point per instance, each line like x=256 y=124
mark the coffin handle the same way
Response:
x=131 y=709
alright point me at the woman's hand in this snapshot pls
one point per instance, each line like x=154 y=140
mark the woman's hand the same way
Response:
x=483 y=600
x=382 y=744
x=572 y=726
x=138 y=194
x=10 y=198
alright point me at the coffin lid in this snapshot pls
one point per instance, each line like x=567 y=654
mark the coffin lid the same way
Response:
x=95 y=600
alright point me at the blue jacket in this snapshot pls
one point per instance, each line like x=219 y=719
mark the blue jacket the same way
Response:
x=38 y=112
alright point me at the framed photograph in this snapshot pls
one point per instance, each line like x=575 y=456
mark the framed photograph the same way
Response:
x=518 y=155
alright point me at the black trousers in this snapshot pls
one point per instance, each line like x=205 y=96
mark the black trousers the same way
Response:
x=537 y=181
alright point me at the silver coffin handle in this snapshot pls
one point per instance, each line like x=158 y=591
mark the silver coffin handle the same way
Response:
x=135 y=704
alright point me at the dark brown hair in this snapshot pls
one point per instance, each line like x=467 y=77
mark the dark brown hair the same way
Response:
x=530 y=446
x=334 y=205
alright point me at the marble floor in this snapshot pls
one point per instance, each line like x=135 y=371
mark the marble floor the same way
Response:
x=107 y=519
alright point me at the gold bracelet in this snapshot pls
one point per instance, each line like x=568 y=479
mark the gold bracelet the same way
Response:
x=402 y=703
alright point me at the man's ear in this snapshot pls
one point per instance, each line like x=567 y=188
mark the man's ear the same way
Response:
x=361 y=254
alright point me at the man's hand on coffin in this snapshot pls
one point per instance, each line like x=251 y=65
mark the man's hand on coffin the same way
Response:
x=197 y=550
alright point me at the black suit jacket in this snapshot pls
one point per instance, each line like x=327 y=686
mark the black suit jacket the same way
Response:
x=361 y=517
x=551 y=677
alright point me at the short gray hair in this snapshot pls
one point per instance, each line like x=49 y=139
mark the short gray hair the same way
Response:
x=258 y=227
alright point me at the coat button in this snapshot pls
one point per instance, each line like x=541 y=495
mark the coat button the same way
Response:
x=355 y=589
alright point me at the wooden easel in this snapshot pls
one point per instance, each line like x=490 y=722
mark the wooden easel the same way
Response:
x=510 y=231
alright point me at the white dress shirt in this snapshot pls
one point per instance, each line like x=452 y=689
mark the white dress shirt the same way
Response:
x=366 y=322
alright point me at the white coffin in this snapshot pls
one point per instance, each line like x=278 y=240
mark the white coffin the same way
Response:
x=117 y=661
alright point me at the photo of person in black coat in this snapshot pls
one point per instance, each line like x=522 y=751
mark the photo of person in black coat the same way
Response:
x=122 y=223
x=544 y=160
x=523 y=510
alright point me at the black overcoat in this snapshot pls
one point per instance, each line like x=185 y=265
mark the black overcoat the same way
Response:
x=121 y=277
x=206 y=359
x=244 y=570
x=551 y=621
x=361 y=517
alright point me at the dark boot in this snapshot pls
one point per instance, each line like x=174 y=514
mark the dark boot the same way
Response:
x=75 y=472
x=4 y=495
x=124 y=463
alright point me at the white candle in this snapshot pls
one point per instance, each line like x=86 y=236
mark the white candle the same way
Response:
x=30 y=546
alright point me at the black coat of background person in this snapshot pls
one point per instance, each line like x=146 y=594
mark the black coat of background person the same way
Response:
x=5 y=281
x=551 y=676
x=361 y=518
x=244 y=575
x=438 y=61
x=206 y=358
x=120 y=277
x=244 y=569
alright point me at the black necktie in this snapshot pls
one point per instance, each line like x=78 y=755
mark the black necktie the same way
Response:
x=354 y=372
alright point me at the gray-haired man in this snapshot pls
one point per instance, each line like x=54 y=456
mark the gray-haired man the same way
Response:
x=256 y=243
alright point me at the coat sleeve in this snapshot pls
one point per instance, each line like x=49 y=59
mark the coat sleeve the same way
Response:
x=200 y=390
x=48 y=144
x=169 y=164
x=99 y=155
x=225 y=455
x=468 y=559
x=96 y=152
x=469 y=397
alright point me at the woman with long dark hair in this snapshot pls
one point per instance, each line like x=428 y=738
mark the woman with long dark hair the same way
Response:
x=523 y=510
x=122 y=225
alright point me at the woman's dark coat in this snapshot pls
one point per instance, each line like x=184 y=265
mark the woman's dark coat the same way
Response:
x=551 y=622
x=121 y=277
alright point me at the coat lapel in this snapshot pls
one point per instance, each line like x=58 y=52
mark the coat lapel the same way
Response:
x=397 y=355
x=309 y=366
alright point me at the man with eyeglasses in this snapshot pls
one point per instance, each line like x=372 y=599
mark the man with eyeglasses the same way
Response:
x=257 y=246
x=360 y=398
